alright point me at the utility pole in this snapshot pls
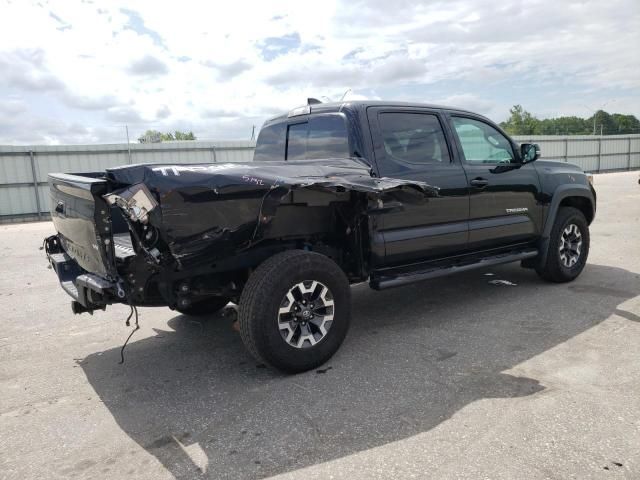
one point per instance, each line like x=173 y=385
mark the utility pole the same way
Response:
x=595 y=112
x=126 y=128
x=253 y=132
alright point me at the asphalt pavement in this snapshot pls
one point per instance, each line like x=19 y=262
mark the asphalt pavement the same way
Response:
x=456 y=377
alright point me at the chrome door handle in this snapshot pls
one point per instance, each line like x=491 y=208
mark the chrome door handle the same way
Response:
x=479 y=182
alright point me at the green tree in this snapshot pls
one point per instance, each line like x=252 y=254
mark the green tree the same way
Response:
x=150 y=136
x=184 y=136
x=626 y=123
x=603 y=122
x=520 y=122
x=564 y=126
x=154 y=136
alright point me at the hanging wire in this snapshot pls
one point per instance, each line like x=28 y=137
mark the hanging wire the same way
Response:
x=127 y=323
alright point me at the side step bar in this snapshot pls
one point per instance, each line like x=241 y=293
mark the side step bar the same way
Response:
x=388 y=279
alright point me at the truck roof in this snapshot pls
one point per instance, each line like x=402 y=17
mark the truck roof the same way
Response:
x=363 y=104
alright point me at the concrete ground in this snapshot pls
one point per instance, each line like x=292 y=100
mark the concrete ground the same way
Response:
x=452 y=378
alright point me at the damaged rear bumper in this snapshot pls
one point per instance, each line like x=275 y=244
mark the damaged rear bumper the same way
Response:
x=88 y=291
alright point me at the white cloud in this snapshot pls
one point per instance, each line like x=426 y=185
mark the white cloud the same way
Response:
x=81 y=71
x=468 y=101
x=148 y=65
x=12 y=106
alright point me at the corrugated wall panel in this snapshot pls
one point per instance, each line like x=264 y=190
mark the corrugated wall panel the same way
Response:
x=17 y=200
x=244 y=155
x=15 y=165
x=552 y=150
x=45 y=200
x=588 y=164
x=583 y=148
x=15 y=169
x=615 y=145
x=614 y=162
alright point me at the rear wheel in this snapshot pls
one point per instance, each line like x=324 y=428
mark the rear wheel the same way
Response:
x=208 y=306
x=568 y=247
x=294 y=311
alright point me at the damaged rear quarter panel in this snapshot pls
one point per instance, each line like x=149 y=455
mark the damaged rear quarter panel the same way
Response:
x=209 y=211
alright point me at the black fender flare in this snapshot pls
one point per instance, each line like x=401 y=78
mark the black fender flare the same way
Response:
x=562 y=192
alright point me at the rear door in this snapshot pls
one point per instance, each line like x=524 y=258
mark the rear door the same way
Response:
x=410 y=143
x=504 y=205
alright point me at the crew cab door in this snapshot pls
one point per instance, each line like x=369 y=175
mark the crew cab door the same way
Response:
x=410 y=143
x=503 y=194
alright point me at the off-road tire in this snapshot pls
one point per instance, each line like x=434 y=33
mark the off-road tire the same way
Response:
x=261 y=300
x=553 y=270
x=205 y=307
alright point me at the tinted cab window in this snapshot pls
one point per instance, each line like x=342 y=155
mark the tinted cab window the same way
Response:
x=271 y=143
x=413 y=137
x=297 y=141
x=322 y=136
x=481 y=143
x=327 y=137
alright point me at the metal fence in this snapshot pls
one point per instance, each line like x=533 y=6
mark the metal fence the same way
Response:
x=591 y=153
x=24 y=169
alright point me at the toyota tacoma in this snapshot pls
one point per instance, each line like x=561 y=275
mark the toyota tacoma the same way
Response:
x=341 y=193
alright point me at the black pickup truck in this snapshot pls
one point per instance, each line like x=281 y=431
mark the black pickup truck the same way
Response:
x=338 y=193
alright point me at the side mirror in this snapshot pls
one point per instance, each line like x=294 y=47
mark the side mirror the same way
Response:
x=529 y=152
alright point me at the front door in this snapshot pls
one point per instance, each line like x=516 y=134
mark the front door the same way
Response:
x=503 y=194
x=410 y=143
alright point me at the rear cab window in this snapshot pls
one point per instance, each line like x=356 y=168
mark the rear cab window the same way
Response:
x=321 y=136
x=271 y=143
x=297 y=141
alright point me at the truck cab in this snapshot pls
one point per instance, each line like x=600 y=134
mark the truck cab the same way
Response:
x=490 y=196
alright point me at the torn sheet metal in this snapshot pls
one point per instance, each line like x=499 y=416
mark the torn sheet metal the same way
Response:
x=224 y=178
x=221 y=208
x=136 y=201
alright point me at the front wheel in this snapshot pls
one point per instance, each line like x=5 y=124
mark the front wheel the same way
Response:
x=568 y=247
x=294 y=311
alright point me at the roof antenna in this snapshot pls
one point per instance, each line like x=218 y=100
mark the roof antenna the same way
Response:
x=345 y=94
x=313 y=101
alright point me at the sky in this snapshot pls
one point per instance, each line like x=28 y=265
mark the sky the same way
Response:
x=74 y=72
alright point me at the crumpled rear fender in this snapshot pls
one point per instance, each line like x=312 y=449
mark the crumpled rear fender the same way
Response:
x=209 y=211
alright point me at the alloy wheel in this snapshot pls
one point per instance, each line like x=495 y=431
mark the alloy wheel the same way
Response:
x=306 y=314
x=570 y=245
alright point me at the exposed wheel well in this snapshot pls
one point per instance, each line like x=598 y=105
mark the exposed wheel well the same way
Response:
x=581 y=203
